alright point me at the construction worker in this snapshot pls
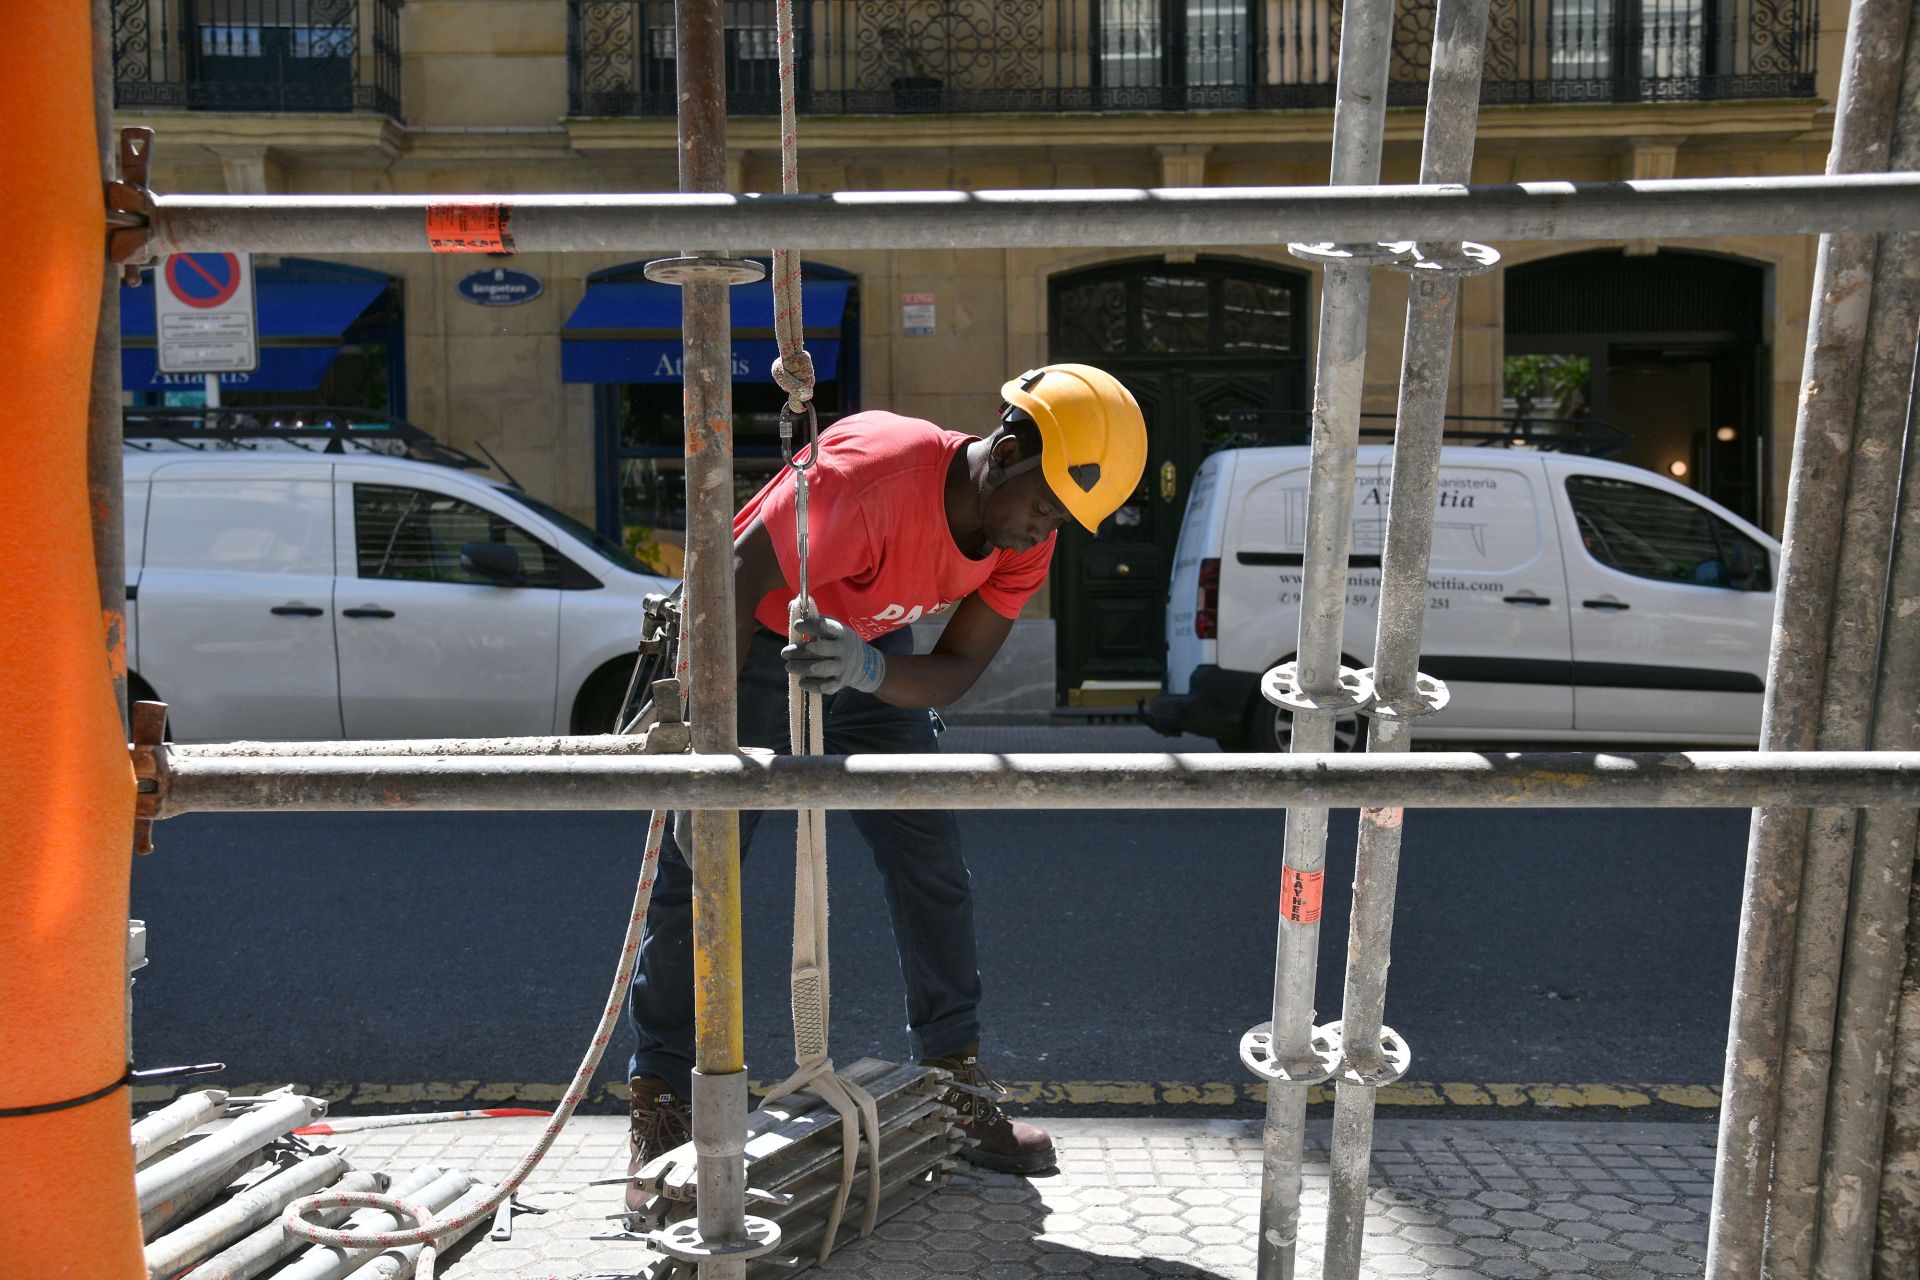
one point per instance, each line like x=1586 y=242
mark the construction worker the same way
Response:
x=907 y=520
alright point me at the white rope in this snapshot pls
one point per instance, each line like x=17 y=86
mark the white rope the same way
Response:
x=806 y=724
x=428 y=1230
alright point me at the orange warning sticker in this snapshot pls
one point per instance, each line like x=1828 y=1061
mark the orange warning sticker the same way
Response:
x=1300 y=893
x=469 y=228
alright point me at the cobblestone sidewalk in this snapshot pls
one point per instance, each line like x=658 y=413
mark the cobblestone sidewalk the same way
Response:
x=1136 y=1199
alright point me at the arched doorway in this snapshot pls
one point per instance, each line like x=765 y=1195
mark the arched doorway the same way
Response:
x=1669 y=347
x=1197 y=343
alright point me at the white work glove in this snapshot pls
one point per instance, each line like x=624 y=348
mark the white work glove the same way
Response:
x=831 y=657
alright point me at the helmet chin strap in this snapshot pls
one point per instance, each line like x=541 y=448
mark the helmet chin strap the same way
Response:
x=998 y=475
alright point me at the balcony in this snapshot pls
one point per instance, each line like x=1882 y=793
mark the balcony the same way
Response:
x=258 y=55
x=890 y=57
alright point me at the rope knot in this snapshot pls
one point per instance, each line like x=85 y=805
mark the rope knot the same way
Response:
x=795 y=378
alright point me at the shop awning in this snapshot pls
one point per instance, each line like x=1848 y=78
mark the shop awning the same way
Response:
x=301 y=328
x=630 y=332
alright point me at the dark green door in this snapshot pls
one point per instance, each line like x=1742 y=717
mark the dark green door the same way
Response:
x=1196 y=344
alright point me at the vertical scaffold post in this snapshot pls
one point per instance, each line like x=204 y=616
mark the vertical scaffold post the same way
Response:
x=1744 y=1179
x=719 y=1076
x=1372 y=1055
x=1315 y=688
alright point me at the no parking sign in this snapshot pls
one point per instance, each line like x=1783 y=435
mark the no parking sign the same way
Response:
x=203 y=313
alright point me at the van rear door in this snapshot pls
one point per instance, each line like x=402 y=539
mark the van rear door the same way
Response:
x=236 y=600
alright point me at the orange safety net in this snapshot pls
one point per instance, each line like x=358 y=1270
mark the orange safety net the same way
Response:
x=66 y=788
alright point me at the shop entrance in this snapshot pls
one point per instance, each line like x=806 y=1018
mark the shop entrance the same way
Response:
x=1201 y=345
x=1670 y=348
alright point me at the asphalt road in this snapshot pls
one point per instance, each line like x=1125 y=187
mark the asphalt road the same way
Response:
x=464 y=957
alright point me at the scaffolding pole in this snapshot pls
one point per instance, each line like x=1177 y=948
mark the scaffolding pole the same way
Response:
x=1318 y=690
x=298 y=781
x=104 y=463
x=1681 y=208
x=1371 y=1054
x=1771 y=914
x=719 y=1069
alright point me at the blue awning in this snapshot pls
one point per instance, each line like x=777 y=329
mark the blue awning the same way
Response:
x=287 y=312
x=280 y=369
x=630 y=332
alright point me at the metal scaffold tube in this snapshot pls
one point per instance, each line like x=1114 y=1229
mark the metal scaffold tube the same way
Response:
x=104 y=463
x=1680 y=208
x=1359 y=124
x=719 y=1069
x=1772 y=921
x=299 y=781
x=1830 y=884
x=1371 y=1055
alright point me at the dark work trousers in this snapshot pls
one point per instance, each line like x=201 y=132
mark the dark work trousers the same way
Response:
x=929 y=892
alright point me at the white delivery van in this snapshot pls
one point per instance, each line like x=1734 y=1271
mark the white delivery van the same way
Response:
x=1570 y=599
x=283 y=592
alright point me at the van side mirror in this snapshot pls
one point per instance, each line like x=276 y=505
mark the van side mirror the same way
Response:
x=1744 y=568
x=494 y=561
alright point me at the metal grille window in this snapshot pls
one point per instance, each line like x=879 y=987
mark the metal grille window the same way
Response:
x=412 y=535
x=1649 y=534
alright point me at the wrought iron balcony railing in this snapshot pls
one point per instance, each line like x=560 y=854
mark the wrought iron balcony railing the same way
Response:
x=258 y=55
x=890 y=57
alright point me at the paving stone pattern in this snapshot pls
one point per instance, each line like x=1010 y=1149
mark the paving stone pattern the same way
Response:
x=1135 y=1199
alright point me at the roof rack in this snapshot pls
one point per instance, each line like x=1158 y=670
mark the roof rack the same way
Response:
x=317 y=428
x=1595 y=437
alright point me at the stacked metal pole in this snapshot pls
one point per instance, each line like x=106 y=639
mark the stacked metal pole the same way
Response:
x=1371 y=1054
x=1799 y=864
x=1314 y=688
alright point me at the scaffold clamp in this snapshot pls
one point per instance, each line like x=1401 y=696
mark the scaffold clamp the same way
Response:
x=1387 y=1063
x=1322 y=1058
x=130 y=205
x=682 y=1240
x=704 y=269
x=1430 y=694
x=1441 y=257
x=1378 y=253
x=149 y=752
x=1281 y=687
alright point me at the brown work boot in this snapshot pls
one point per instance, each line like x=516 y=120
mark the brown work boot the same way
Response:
x=660 y=1121
x=1000 y=1142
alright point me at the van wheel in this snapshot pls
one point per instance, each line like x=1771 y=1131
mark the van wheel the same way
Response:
x=1270 y=728
x=600 y=704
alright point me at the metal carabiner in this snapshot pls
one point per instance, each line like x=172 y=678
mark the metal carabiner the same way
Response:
x=812 y=448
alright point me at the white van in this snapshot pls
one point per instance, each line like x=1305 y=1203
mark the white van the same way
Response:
x=279 y=593
x=1570 y=599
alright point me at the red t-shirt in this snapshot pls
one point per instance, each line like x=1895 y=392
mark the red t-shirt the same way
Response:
x=880 y=555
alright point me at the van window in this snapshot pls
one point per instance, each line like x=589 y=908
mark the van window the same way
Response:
x=1650 y=533
x=1485 y=520
x=241 y=525
x=415 y=536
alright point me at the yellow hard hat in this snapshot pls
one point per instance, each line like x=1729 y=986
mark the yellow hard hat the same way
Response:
x=1093 y=440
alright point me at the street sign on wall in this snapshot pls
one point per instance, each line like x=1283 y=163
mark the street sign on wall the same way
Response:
x=204 y=313
x=499 y=287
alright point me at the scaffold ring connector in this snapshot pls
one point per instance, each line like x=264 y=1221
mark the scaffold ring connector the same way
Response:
x=1387 y=1063
x=1442 y=257
x=702 y=270
x=1378 y=253
x=1281 y=687
x=682 y=1240
x=1429 y=695
x=1316 y=1066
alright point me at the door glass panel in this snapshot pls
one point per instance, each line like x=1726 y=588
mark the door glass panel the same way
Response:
x=1216 y=41
x=241 y=526
x=1173 y=313
x=1130 y=43
x=1672 y=43
x=1256 y=317
x=1644 y=532
x=1093 y=318
x=412 y=535
x=1580 y=38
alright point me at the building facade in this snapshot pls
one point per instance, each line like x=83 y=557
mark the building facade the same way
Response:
x=1683 y=357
